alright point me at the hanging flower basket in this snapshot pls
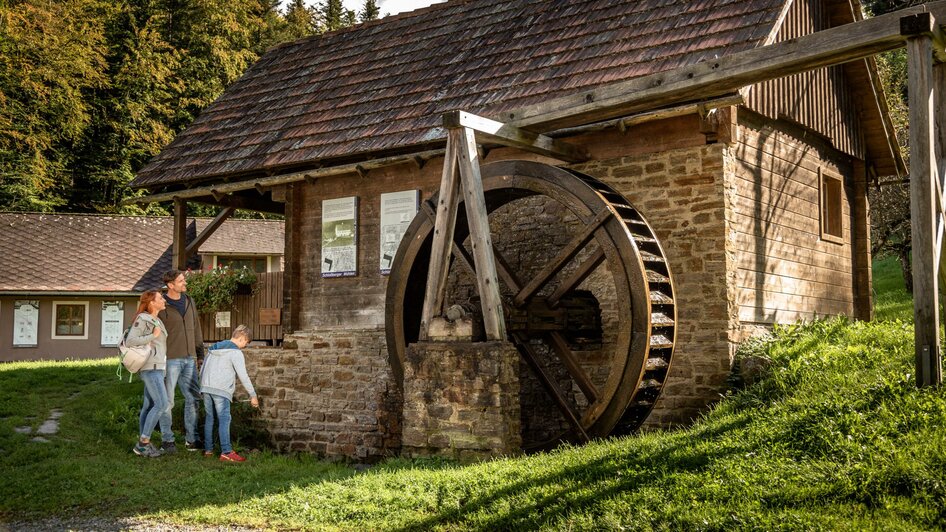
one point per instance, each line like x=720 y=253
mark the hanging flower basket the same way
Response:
x=213 y=289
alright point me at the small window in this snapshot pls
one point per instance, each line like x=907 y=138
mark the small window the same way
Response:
x=256 y=264
x=70 y=320
x=832 y=207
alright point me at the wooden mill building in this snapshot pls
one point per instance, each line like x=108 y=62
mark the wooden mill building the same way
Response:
x=757 y=197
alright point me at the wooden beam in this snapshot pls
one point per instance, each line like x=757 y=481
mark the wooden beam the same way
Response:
x=492 y=131
x=209 y=230
x=476 y=215
x=308 y=175
x=445 y=222
x=179 y=243
x=243 y=202
x=724 y=75
x=923 y=211
x=924 y=24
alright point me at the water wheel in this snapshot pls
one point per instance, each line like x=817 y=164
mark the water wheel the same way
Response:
x=551 y=314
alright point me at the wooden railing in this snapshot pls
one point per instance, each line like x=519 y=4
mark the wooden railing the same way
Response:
x=260 y=310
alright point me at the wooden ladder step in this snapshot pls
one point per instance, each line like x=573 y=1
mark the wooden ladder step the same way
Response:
x=655 y=363
x=654 y=277
x=659 y=319
x=659 y=341
x=659 y=298
x=647 y=384
x=650 y=257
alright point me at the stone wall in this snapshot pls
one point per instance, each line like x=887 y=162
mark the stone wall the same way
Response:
x=461 y=400
x=329 y=393
x=683 y=195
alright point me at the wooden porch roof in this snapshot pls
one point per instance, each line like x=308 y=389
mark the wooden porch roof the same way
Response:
x=380 y=88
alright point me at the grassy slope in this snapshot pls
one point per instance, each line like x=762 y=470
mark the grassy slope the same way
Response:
x=836 y=436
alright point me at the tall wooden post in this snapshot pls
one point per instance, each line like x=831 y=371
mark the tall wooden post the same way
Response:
x=924 y=202
x=475 y=201
x=461 y=154
x=179 y=245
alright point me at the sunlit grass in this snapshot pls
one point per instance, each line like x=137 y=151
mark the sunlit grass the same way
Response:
x=833 y=436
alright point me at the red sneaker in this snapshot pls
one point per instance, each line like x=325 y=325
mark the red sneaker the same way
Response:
x=232 y=456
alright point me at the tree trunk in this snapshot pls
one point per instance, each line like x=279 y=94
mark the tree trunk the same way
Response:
x=903 y=254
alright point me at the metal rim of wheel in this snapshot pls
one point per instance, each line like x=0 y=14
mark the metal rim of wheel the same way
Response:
x=627 y=246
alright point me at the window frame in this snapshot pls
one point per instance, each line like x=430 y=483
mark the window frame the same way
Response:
x=825 y=177
x=264 y=259
x=85 y=320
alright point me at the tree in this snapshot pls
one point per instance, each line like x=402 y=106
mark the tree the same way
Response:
x=50 y=54
x=301 y=21
x=369 y=11
x=332 y=13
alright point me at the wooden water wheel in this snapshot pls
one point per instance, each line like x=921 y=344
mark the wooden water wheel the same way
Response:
x=545 y=309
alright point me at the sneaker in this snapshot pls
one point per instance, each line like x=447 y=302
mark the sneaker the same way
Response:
x=232 y=456
x=147 y=450
x=208 y=453
x=168 y=447
x=193 y=445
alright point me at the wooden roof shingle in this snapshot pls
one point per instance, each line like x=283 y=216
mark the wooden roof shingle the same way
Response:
x=382 y=87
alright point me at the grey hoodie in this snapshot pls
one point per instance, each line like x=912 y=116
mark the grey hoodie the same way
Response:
x=221 y=366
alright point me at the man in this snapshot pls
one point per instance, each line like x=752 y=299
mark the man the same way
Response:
x=185 y=348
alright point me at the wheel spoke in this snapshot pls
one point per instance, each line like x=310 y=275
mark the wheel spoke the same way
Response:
x=551 y=387
x=566 y=254
x=560 y=346
x=575 y=279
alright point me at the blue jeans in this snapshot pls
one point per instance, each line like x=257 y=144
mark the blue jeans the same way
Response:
x=182 y=373
x=155 y=405
x=221 y=406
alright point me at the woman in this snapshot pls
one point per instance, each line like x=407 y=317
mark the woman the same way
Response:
x=148 y=329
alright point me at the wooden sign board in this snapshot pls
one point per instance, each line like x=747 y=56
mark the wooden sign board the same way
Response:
x=269 y=316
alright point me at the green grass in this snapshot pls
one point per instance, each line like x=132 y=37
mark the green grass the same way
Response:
x=834 y=436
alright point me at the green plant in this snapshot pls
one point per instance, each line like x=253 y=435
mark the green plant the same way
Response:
x=213 y=289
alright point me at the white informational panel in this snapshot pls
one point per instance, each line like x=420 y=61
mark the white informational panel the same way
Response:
x=113 y=322
x=222 y=320
x=25 y=322
x=340 y=237
x=397 y=211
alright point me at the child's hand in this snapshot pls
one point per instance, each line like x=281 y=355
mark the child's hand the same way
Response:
x=254 y=401
x=157 y=332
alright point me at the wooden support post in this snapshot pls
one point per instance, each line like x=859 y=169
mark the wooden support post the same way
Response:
x=444 y=225
x=475 y=201
x=861 y=256
x=179 y=243
x=923 y=204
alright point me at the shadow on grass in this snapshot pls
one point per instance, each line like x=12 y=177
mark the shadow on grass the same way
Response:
x=583 y=485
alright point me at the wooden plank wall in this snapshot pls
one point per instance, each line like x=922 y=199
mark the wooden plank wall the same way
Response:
x=785 y=271
x=268 y=294
x=818 y=99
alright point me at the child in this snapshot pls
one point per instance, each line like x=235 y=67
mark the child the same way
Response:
x=223 y=362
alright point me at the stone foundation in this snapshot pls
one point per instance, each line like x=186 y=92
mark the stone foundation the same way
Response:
x=461 y=400
x=329 y=393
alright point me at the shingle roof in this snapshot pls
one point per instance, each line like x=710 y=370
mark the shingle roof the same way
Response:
x=382 y=86
x=91 y=253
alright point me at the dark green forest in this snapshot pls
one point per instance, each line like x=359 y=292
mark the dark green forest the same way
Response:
x=90 y=90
